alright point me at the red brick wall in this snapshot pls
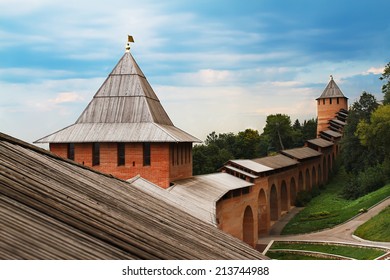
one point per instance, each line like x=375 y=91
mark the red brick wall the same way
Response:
x=180 y=161
x=230 y=215
x=59 y=149
x=230 y=212
x=161 y=172
x=327 y=111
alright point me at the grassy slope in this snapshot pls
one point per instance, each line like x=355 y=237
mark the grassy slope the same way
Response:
x=347 y=251
x=377 y=228
x=330 y=209
x=292 y=256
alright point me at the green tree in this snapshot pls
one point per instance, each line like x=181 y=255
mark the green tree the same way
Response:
x=297 y=134
x=303 y=132
x=365 y=106
x=297 y=125
x=376 y=134
x=386 y=87
x=209 y=158
x=248 y=144
x=355 y=156
x=309 y=129
x=279 y=132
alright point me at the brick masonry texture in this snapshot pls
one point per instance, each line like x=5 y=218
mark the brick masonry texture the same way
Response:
x=169 y=162
x=327 y=111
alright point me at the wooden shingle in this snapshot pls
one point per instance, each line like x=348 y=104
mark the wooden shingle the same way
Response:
x=123 y=106
x=53 y=208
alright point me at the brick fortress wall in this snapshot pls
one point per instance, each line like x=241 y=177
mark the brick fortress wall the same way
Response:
x=168 y=162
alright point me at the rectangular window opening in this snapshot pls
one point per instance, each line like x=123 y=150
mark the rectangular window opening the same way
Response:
x=95 y=154
x=146 y=149
x=71 y=151
x=172 y=153
x=121 y=154
x=181 y=154
x=177 y=154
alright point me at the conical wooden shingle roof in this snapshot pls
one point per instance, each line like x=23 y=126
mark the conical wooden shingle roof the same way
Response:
x=124 y=109
x=332 y=90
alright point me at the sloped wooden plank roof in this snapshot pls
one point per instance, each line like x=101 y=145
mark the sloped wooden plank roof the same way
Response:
x=252 y=165
x=118 y=132
x=331 y=90
x=332 y=133
x=232 y=168
x=53 y=208
x=125 y=97
x=184 y=203
x=276 y=161
x=205 y=190
x=321 y=142
x=338 y=122
x=301 y=153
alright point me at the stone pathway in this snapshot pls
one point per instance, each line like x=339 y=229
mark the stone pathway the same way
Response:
x=342 y=233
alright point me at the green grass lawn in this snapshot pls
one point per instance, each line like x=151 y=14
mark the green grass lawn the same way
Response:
x=330 y=209
x=359 y=253
x=377 y=228
x=292 y=256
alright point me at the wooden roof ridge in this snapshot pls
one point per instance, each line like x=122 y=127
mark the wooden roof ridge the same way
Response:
x=121 y=64
x=331 y=90
x=320 y=142
x=131 y=86
x=53 y=209
x=276 y=161
x=301 y=153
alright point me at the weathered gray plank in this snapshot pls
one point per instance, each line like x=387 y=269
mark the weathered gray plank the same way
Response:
x=78 y=207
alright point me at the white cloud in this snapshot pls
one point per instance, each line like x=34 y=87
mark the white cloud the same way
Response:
x=205 y=77
x=67 y=97
x=286 y=83
x=374 y=70
x=47 y=95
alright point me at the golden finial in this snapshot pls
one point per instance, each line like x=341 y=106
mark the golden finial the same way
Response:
x=129 y=40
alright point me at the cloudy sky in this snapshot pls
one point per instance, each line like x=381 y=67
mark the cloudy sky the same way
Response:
x=215 y=65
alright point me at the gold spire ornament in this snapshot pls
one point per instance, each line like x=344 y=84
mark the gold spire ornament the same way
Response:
x=130 y=39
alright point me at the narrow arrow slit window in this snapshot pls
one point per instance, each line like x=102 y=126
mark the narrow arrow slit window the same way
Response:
x=146 y=154
x=95 y=154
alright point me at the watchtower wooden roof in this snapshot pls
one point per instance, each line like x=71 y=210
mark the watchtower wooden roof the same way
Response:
x=331 y=90
x=124 y=109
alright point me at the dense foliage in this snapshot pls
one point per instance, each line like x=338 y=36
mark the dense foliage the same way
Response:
x=386 y=87
x=355 y=155
x=278 y=134
x=365 y=145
